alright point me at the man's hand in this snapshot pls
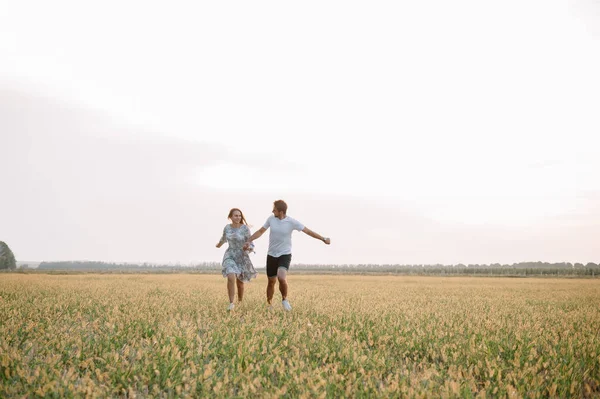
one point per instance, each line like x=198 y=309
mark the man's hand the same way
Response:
x=327 y=241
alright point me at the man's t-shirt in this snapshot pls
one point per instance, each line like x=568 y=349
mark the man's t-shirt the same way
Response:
x=280 y=237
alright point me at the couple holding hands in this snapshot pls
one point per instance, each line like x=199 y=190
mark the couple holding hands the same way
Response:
x=237 y=266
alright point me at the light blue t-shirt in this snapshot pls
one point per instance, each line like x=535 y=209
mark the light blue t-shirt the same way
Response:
x=280 y=237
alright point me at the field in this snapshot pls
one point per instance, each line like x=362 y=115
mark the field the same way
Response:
x=153 y=335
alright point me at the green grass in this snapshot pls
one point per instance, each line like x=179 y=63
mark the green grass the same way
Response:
x=358 y=336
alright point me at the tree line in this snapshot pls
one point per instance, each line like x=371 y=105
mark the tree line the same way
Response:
x=97 y=265
x=516 y=269
x=8 y=262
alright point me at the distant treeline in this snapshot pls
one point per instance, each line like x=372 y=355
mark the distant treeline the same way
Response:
x=107 y=266
x=494 y=269
x=515 y=269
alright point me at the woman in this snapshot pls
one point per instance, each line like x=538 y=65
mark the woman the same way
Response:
x=237 y=266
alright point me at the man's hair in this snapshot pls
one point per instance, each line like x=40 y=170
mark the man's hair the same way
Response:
x=281 y=206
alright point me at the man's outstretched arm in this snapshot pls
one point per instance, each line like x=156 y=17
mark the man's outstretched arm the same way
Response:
x=311 y=233
x=254 y=236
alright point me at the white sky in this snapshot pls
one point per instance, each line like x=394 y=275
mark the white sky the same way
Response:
x=479 y=120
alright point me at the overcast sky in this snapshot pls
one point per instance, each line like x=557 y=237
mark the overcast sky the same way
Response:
x=408 y=132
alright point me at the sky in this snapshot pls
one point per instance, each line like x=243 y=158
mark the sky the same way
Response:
x=407 y=132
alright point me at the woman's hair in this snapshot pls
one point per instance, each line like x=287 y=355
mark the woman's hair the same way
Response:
x=241 y=213
x=281 y=206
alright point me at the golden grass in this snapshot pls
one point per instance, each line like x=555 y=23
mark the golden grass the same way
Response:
x=353 y=336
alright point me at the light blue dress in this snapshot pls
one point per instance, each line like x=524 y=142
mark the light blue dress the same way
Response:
x=235 y=259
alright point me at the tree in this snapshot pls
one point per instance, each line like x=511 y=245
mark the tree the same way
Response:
x=7 y=259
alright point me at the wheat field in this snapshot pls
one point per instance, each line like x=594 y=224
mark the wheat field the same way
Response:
x=169 y=335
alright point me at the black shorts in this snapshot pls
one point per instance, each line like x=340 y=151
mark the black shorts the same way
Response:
x=274 y=263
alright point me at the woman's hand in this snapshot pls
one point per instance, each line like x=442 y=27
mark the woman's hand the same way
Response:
x=249 y=247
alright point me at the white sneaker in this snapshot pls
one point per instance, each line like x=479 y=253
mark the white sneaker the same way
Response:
x=286 y=305
x=231 y=306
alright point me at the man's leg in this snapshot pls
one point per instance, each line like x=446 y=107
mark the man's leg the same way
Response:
x=282 y=278
x=272 y=277
x=271 y=289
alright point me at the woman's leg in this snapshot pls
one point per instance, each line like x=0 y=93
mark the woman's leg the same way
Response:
x=240 y=289
x=231 y=286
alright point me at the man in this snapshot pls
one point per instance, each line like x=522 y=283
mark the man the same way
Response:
x=279 y=255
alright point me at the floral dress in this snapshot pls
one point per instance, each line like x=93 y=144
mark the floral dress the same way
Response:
x=235 y=259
